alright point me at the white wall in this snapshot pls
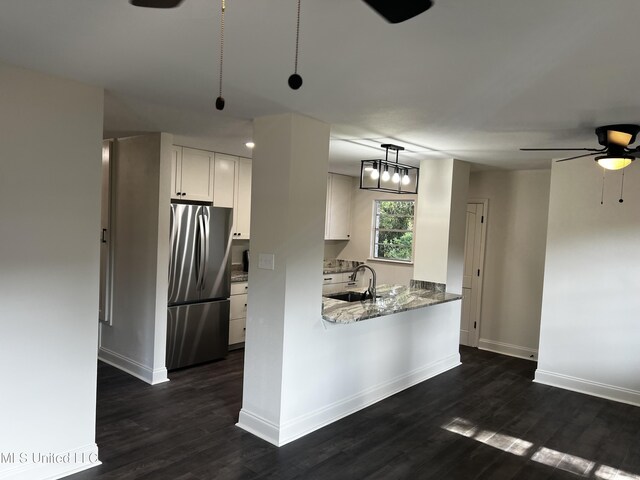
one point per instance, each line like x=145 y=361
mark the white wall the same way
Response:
x=136 y=340
x=300 y=372
x=51 y=137
x=440 y=222
x=589 y=338
x=359 y=247
x=514 y=258
x=237 y=249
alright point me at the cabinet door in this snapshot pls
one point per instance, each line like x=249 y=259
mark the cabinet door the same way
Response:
x=237 y=331
x=197 y=175
x=224 y=180
x=176 y=159
x=105 y=243
x=340 y=207
x=238 y=306
x=327 y=213
x=243 y=200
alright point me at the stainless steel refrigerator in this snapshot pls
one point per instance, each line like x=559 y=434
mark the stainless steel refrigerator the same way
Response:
x=199 y=284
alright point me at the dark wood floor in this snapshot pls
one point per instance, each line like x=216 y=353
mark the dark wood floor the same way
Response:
x=482 y=420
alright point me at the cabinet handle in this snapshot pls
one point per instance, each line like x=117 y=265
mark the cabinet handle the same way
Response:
x=246 y=288
x=104 y=236
x=348 y=236
x=184 y=193
x=178 y=193
x=328 y=278
x=245 y=304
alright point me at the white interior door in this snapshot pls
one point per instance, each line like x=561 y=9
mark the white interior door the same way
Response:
x=472 y=277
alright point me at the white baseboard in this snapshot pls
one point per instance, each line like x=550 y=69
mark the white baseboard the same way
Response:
x=508 y=349
x=138 y=370
x=581 y=385
x=305 y=424
x=259 y=427
x=51 y=465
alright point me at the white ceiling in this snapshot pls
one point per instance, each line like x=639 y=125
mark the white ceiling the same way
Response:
x=469 y=79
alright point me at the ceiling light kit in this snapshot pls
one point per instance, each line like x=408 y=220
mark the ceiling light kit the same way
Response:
x=388 y=175
x=615 y=154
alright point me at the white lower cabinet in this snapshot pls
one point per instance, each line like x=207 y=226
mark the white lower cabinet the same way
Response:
x=238 y=313
x=332 y=282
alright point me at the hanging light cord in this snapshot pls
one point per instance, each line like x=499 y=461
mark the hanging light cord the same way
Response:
x=622 y=188
x=295 y=80
x=604 y=172
x=220 y=99
x=295 y=69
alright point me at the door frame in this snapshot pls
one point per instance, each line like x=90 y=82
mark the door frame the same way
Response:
x=483 y=242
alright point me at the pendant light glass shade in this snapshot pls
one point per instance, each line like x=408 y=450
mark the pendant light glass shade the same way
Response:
x=614 y=163
x=389 y=175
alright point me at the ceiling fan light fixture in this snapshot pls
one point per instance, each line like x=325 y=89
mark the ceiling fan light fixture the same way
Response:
x=614 y=163
x=619 y=138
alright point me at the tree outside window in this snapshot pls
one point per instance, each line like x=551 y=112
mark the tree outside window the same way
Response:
x=393 y=230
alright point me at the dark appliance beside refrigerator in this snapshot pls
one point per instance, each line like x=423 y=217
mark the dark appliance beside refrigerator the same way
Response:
x=199 y=284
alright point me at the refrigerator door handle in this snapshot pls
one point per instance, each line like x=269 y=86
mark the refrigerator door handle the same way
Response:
x=196 y=250
x=205 y=240
x=202 y=251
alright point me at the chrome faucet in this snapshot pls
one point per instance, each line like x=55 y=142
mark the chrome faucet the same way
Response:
x=372 y=281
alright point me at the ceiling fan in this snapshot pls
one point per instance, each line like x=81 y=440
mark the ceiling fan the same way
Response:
x=615 y=140
x=394 y=11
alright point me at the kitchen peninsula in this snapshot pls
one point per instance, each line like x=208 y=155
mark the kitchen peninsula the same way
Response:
x=390 y=299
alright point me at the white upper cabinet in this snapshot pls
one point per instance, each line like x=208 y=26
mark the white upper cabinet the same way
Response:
x=242 y=211
x=224 y=180
x=192 y=174
x=338 y=216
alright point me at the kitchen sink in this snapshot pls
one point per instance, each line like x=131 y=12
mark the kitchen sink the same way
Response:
x=348 y=296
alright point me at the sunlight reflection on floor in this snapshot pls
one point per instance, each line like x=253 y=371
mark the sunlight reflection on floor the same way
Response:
x=547 y=456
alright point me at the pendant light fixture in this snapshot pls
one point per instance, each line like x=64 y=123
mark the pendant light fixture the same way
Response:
x=295 y=80
x=389 y=175
x=220 y=99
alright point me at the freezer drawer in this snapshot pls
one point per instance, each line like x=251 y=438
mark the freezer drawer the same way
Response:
x=197 y=333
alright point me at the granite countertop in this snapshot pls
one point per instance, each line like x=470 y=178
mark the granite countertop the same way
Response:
x=239 y=277
x=392 y=299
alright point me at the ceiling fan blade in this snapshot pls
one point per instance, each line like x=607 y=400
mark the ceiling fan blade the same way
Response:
x=397 y=11
x=578 y=156
x=155 y=3
x=560 y=149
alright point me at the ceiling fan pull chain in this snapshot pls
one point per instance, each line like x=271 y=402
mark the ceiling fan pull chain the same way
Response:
x=604 y=172
x=295 y=80
x=622 y=188
x=220 y=99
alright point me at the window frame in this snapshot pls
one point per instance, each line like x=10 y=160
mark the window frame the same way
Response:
x=375 y=232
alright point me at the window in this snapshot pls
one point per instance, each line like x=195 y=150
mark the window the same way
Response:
x=393 y=230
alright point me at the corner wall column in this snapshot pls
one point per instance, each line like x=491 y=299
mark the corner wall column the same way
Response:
x=287 y=247
x=440 y=222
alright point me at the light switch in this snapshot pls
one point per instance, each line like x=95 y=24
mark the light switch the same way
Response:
x=266 y=261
